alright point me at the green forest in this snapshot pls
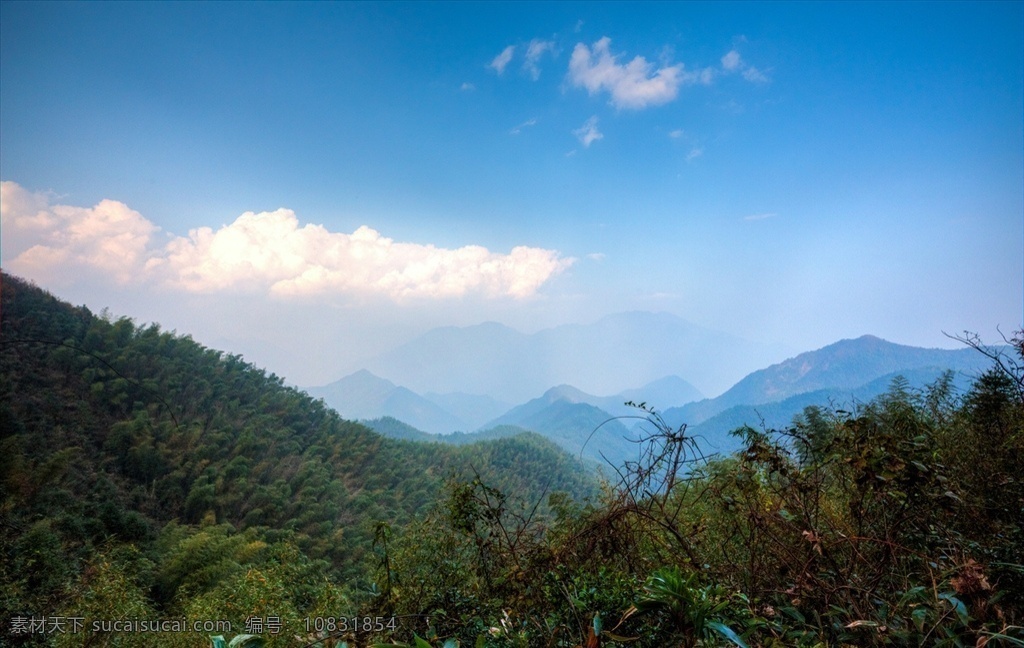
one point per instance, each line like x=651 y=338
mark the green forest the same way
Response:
x=156 y=492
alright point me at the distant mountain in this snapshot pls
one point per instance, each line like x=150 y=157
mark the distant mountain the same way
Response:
x=474 y=409
x=395 y=429
x=363 y=395
x=563 y=416
x=843 y=373
x=842 y=369
x=662 y=393
x=614 y=353
x=715 y=434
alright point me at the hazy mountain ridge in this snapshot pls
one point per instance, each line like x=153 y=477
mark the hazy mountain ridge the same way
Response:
x=578 y=427
x=841 y=374
x=715 y=432
x=363 y=395
x=474 y=409
x=845 y=366
x=615 y=353
x=396 y=429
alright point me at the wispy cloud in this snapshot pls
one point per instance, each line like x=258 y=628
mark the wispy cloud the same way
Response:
x=757 y=217
x=754 y=75
x=596 y=256
x=633 y=85
x=526 y=124
x=677 y=133
x=534 y=52
x=499 y=62
x=694 y=153
x=587 y=134
x=733 y=62
x=467 y=87
x=258 y=252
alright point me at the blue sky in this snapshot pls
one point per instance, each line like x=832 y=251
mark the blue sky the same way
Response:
x=789 y=173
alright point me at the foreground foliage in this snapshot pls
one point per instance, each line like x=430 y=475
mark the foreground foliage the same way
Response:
x=898 y=524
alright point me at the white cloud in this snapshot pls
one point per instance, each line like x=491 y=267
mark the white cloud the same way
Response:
x=109 y=237
x=588 y=133
x=633 y=85
x=268 y=251
x=596 y=256
x=526 y=124
x=501 y=60
x=757 y=217
x=754 y=75
x=694 y=153
x=534 y=51
x=467 y=86
x=677 y=133
x=731 y=61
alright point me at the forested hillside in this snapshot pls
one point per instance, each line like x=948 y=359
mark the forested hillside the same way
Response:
x=118 y=436
x=146 y=477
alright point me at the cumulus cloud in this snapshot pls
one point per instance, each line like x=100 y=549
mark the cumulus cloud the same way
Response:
x=499 y=62
x=110 y=237
x=588 y=133
x=258 y=252
x=636 y=84
x=534 y=51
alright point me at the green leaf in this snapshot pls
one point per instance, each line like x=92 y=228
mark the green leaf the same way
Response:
x=597 y=624
x=794 y=614
x=450 y=643
x=920 y=615
x=727 y=633
x=958 y=605
x=218 y=641
x=421 y=642
x=246 y=641
x=1003 y=637
x=912 y=593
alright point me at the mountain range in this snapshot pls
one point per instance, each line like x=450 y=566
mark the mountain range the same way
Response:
x=603 y=428
x=842 y=367
x=615 y=353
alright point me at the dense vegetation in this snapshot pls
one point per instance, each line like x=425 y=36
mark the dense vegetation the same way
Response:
x=146 y=477
x=138 y=461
